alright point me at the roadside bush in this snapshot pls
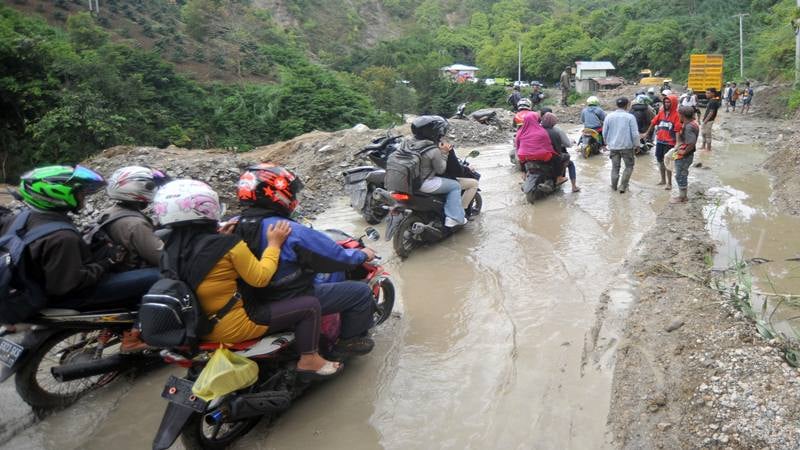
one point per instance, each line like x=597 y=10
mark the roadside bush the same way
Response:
x=794 y=100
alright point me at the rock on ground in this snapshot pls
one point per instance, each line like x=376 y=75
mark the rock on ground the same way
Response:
x=711 y=383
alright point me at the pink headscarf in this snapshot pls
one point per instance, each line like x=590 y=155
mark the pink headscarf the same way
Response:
x=533 y=142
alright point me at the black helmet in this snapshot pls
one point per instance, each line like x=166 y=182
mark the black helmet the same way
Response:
x=432 y=128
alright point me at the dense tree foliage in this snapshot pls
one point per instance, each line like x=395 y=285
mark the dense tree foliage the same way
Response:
x=65 y=95
x=316 y=64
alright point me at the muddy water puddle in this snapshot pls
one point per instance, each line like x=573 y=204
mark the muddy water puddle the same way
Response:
x=495 y=343
x=755 y=240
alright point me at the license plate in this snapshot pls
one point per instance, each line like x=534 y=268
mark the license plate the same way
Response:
x=179 y=390
x=9 y=352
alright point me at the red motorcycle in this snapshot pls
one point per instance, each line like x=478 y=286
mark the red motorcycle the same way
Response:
x=217 y=423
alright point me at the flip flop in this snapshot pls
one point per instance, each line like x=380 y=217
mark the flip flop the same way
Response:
x=562 y=181
x=328 y=370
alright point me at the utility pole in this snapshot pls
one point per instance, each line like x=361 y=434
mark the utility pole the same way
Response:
x=797 y=50
x=519 y=63
x=741 y=43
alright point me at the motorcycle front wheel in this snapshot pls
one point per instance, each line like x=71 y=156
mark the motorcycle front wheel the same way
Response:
x=198 y=434
x=404 y=241
x=36 y=384
x=383 y=292
x=475 y=206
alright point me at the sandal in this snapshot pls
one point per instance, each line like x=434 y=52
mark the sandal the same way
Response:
x=328 y=370
x=562 y=181
x=576 y=189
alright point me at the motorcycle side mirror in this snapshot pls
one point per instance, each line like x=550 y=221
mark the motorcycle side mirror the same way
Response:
x=372 y=234
x=474 y=154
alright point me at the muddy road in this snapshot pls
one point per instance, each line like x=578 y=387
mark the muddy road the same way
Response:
x=494 y=344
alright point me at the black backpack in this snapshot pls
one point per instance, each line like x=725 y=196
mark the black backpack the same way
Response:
x=20 y=296
x=170 y=314
x=403 y=168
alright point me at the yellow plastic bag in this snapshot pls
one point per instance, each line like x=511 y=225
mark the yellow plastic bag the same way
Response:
x=225 y=372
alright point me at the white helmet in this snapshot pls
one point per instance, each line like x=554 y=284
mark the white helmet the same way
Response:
x=666 y=92
x=652 y=90
x=524 y=103
x=592 y=100
x=186 y=201
x=134 y=184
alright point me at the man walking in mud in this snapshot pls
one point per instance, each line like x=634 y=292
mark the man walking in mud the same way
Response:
x=621 y=134
x=565 y=85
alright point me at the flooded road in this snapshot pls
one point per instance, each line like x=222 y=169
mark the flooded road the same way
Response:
x=495 y=343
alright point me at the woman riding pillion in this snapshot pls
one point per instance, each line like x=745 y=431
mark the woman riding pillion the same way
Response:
x=533 y=144
x=218 y=266
x=270 y=195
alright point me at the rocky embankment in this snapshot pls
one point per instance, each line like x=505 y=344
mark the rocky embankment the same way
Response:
x=691 y=372
x=318 y=157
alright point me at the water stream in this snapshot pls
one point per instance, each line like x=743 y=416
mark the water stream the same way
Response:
x=495 y=345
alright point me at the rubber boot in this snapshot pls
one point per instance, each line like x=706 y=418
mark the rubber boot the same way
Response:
x=662 y=169
x=681 y=198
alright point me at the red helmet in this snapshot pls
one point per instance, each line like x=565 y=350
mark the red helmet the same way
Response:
x=269 y=186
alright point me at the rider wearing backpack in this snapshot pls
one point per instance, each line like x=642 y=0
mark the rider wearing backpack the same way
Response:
x=429 y=142
x=124 y=223
x=59 y=268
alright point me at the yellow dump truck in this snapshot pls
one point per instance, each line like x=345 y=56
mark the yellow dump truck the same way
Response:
x=705 y=71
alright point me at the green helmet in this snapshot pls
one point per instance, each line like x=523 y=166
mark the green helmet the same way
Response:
x=56 y=188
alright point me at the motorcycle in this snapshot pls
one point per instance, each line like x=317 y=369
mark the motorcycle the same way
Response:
x=460 y=112
x=61 y=354
x=646 y=146
x=539 y=181
x=589 y=142
x=360 y=182
x=217 y=423
x=485 y=117
x=417 y=219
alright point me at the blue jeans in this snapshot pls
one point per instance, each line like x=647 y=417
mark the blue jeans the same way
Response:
x=353 y=301
x=452 y=206
x=682 y=170
x=124 y=289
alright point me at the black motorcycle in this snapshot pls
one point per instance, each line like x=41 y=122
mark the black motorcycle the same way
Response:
x=360 y=182
x=539 y=181
x=61 y=354
x=645 y=147
x=418 y=219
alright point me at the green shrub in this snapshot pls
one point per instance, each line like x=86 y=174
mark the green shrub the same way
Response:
x=794 y=101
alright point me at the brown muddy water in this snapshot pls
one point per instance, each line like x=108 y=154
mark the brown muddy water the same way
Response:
x=495 y=343
x=748 y=228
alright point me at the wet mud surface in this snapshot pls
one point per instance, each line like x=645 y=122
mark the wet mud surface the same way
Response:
x=505 y=335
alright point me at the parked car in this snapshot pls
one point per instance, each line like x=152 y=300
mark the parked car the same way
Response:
x=489 y=81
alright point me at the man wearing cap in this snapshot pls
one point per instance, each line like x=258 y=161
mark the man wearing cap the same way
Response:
x=621 y=135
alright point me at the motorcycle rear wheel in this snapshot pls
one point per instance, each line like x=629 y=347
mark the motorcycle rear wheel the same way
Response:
x=587 y=151
x=198 y=435
x=35 y=383
x=370 y=214
x=403 y=241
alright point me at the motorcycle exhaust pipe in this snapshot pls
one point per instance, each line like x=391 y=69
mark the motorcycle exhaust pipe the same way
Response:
x=71 y=372
x=258 y=404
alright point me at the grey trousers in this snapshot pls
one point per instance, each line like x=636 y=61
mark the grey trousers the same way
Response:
x=616 y=156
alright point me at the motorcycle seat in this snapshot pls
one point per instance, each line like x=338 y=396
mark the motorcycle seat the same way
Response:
x=53 y=312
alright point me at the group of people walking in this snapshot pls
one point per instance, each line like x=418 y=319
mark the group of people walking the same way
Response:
x=673 y=124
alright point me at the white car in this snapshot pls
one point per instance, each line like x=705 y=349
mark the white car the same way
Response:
x=489 y=81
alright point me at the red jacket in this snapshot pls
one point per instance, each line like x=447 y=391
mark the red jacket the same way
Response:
x=668 y=125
